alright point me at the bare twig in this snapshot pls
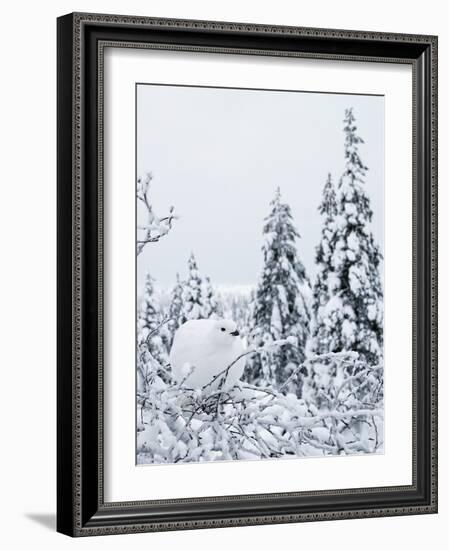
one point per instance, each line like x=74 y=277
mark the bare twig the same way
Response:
x=161 y=324
x=260 y=349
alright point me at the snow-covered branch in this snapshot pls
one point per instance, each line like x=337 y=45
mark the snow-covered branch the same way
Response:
x=155 y=227
x=260 y=349
x=177 y=424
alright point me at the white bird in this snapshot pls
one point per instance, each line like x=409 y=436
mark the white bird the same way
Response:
x=204 y=348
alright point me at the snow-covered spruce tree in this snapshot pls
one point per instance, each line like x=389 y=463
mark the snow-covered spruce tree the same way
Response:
x=281 y=307
x=212 y=308
x=150 y=324
x=323 y=259
x=236 y=306
x=198 y=297
x=352 y=318
x=192 y=306
x=175 y=307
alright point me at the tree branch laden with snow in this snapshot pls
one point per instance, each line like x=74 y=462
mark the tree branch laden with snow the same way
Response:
x=155 y=227
x=179 y=424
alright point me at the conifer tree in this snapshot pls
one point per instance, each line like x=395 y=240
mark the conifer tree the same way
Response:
x=353 y=316
x=281 y=304
x=324 y=272
x=175 y=308
x=150 y=324
x=236 y=306
x=198 y=296
x=212 y=308
x=192 y=304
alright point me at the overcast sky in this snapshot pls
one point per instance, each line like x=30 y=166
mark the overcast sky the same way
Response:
x=217 y=155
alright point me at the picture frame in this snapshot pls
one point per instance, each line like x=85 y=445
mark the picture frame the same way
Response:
x=81 y=506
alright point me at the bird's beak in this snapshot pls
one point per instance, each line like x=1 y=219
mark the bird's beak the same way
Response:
x=235 y=333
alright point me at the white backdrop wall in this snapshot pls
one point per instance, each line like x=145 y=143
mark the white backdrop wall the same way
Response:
x=28 y=283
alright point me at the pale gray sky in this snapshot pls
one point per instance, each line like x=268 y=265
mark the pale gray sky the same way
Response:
x=217 y=155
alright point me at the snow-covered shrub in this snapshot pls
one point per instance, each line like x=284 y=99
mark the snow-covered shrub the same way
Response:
x=342 y=414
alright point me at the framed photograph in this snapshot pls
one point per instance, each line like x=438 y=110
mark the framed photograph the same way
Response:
x=247 y=278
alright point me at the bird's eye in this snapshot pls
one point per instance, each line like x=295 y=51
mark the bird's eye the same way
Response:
x=222 y=329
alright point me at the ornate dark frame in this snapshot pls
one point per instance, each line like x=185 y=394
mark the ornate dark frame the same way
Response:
x=81 y=509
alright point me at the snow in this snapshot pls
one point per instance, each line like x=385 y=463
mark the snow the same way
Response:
x=353 y=241
x=355 y=279
x=350 y=209
x=348 y=329
x=372 y=311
